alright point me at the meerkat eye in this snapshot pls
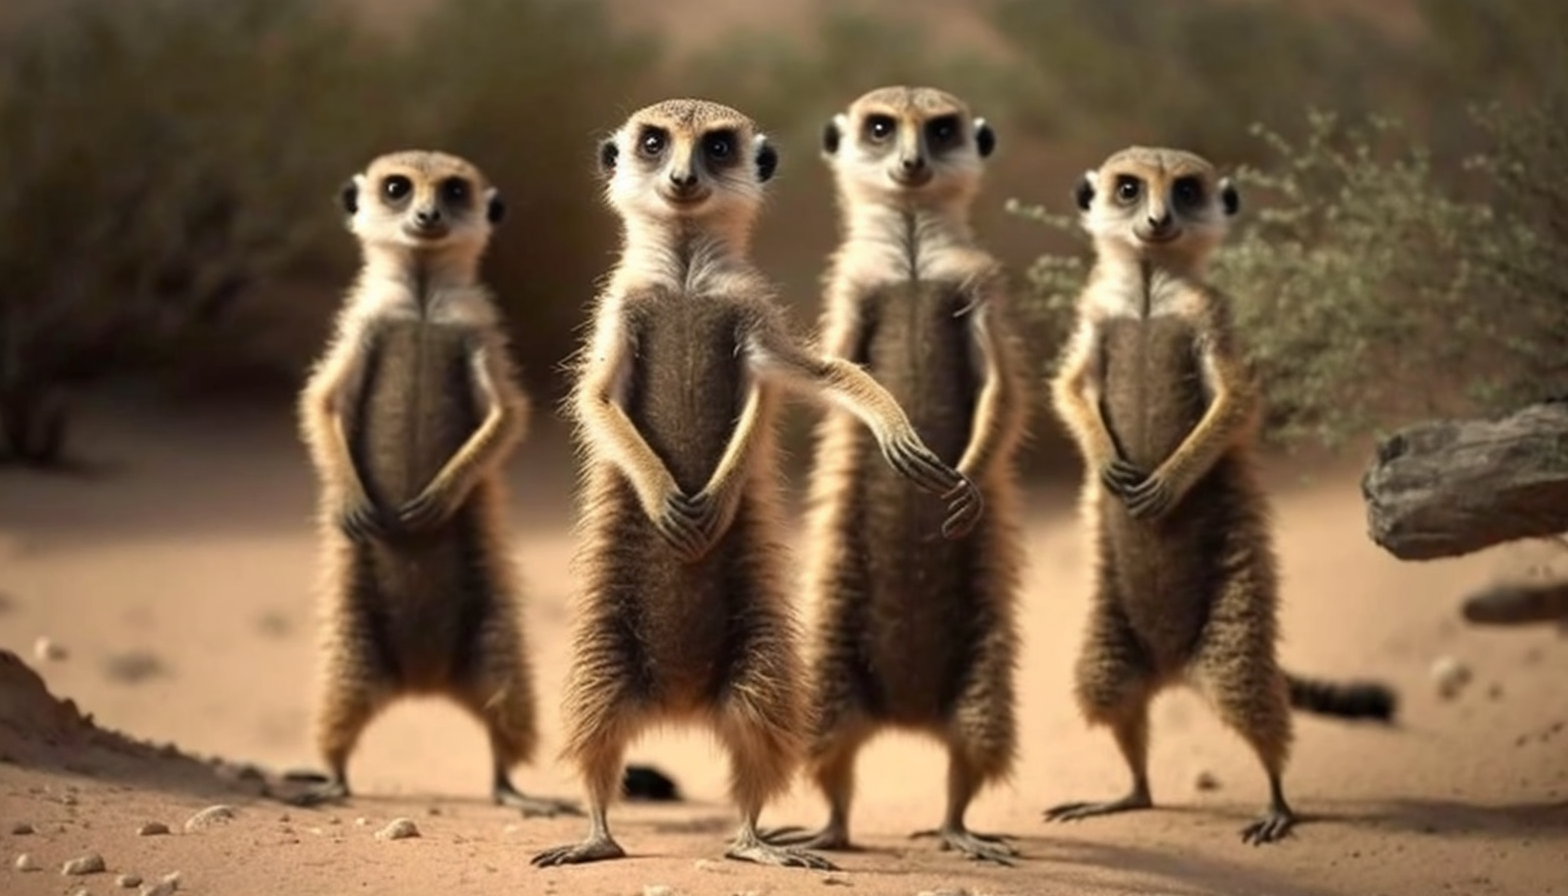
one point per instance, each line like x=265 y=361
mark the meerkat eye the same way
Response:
x=651 y=142
x=396 y=187
x=1187 y=191
x=454 y=190
x=1127 y=189
x=943 y=131
x=719 y=145
x=879 y=127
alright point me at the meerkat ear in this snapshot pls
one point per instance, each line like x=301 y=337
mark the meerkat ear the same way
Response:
x=348 y=194
x=985 y=138
x=832 y=133
x=608 y=152
x=1230 y=199
x=1083 y=194
x=495 y=206
x=767 y=158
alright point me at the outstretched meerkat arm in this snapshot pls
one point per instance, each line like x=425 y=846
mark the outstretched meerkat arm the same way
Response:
x=607 y=427
x=996 y=418
x=504 y=425
x=856 y=391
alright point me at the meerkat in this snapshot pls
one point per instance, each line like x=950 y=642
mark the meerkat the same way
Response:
x=913 y=632
x=1155 y=391
x=682 y=615
x=409 y=416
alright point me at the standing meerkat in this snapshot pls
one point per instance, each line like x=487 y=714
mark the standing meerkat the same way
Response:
x=683 y=614
x=409 y=416
x=1155 y=391
x=913 y=632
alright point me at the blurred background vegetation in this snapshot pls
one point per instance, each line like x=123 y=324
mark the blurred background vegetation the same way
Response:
x=166 y=217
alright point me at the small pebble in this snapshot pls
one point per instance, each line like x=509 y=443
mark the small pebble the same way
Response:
x=83 y=892
x=211 y=816
x=1450 y=675
x=362 y=821
x=658 y=890
x=164 y=887
x=129 y=881
x=398 y=829
x=25 y=862
x=152 y=829
x=89 y=863
x=22 y=829
x=46 y=650
x=1206 y=781
x=837 y=879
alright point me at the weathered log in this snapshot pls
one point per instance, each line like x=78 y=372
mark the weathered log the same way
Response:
x=1444 y=488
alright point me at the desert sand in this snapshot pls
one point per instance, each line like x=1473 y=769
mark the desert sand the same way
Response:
x=177 y=588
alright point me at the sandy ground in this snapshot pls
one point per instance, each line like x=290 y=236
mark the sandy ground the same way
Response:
x=179 y=585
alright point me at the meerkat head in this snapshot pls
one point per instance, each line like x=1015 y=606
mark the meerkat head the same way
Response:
x=422 y=201
x=908 y=144
x=688 y=160
x=1157 y=201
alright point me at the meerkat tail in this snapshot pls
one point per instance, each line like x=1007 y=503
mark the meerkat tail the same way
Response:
x=1348 y=700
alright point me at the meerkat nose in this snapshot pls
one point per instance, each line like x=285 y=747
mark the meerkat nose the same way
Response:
x=1161 y=222
x=427 y=216
x=912 y=163
x=683 y=179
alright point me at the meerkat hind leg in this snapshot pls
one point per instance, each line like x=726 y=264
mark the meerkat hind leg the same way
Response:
x=505 y=793
x=1237 y=669
x=963 y=782
x=1114 y=689
x=834 y=771
x=754 y=725
x=601 y=761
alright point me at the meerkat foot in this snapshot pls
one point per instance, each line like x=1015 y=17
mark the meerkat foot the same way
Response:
x=748 y=847
x=507 y=794
x=974 y=845
x=831 y=837
x=598 y=847
x=332 y=790
x=1275 y=824
x=1077 y=811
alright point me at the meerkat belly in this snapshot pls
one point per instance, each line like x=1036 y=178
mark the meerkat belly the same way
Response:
x=687 y=390
x=416 y=411
x=1165 y=570
x=921 y=585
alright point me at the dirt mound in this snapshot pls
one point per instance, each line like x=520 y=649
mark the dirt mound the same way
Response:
x=40 y=730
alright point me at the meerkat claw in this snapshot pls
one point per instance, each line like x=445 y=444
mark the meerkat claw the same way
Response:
x=975 y=846
x=1081 y=810
x=758 y=852
x=597 y=848
x=1271 y=828
x=507 y=794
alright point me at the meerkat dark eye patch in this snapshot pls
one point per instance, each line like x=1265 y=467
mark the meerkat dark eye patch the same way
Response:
x=879 y=127
x=456 y=192
x=1128 y=189
x=1187 y=192
x=719 y=146
x=396 y=187
x=651 y=142
x=943 y=132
